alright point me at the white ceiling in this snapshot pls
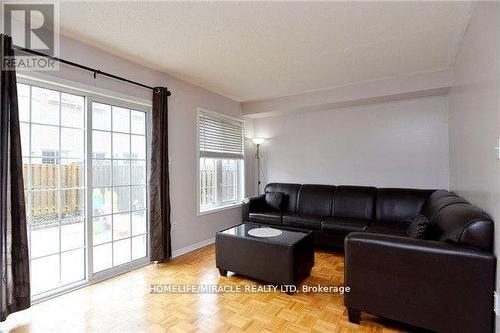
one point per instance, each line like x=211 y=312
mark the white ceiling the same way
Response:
x=258 y=50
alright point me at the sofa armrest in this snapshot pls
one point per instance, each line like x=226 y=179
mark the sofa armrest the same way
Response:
x=430 y=284
x=251 y=204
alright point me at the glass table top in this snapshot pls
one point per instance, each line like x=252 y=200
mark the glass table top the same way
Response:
x=287 y=237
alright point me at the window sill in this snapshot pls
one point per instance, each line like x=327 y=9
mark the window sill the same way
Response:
x=219 y=209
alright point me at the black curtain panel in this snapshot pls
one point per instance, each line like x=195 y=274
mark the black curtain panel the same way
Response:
x=14 y=260
x=159 y=180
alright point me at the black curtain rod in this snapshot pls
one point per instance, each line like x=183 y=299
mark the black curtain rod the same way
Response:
x=93 y=70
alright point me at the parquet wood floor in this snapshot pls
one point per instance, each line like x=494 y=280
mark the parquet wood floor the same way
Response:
x=125 y=304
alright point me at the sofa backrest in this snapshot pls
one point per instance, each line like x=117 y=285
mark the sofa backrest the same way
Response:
x=290 y=193
x=437 y=194
x=438 y=200
x=464 y=225
x=315 y=200
x=356 y=202
x=398 y=204
x=452 y=218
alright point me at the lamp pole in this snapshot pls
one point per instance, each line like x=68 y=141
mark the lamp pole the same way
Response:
x=257 y=157
x=258 y=142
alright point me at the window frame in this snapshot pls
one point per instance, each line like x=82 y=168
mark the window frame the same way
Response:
x=28 y=204
x=97 y=95
x=114 y=270
x=218 y=168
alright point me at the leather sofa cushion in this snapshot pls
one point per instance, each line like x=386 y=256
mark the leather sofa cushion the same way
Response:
x=398 y=204
x=434 y=205
x=303 y=221
x=290 y=193
x=344 y=225
x=315 y=200
x=270 y=217
x=356 y=202
x=388 y=228
x=463 y=224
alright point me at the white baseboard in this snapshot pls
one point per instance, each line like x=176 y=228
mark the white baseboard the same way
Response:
x=192 y=247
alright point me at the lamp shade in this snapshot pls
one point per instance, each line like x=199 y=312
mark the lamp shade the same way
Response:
x=258 y=141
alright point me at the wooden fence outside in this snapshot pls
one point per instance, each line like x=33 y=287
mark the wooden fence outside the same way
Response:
x=44 y=187
x=207 y=186
x=44 y=184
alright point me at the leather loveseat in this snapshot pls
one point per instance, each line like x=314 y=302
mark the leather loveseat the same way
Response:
x=443 y=282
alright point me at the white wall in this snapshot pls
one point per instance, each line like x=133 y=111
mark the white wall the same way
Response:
x=395 y=144
x=474 y=115
x=188 y=227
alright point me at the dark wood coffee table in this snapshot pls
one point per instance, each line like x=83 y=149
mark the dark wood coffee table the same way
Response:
x=283 y=260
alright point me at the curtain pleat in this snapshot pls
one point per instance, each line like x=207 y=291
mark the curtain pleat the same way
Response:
x=159 y=186
x=14 y=258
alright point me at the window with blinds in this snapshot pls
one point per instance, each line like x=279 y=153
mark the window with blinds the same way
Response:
x=219 y=137
x=220 y=168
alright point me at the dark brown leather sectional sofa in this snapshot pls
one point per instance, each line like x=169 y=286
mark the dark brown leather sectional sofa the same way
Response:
x=443 y=282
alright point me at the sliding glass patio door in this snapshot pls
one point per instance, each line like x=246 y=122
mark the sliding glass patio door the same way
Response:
x=85 y=170
x=119 y=216
x=53 y=139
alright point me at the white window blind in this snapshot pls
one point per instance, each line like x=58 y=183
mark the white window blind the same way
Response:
x=219 y=137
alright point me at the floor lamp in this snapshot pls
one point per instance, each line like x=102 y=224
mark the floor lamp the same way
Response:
x=258 y=142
